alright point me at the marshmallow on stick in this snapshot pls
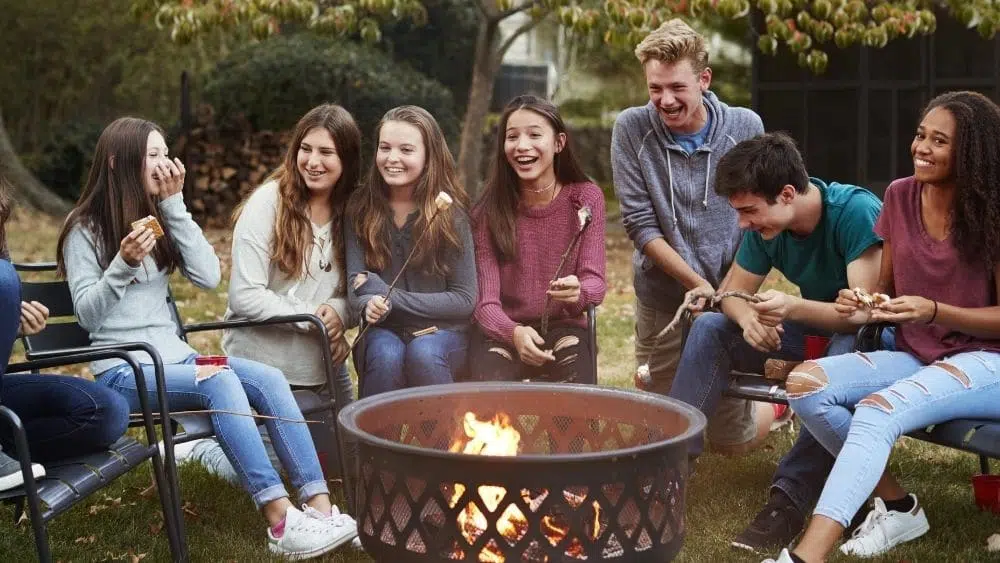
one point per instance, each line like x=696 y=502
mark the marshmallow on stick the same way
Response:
x=441 y=203
x=584 y=216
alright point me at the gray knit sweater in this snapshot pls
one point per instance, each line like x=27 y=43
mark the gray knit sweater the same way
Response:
x=664 y=192
x=125 y=304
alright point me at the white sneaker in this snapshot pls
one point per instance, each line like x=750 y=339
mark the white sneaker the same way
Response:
x=306 y=537
x=10 y=472
x=182 y=451
x=336 y=518
x=783 y=557
x=884 y=529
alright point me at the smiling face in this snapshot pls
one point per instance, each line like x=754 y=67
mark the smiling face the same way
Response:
x=530 y=145
x=156 y=153
x=318 y=162
x=757 y=215
x=676 y=91
x=401 y=155
x=933 y=147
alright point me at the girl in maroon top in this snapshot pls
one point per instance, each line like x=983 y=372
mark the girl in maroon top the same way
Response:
x=528 y=215
x=941 y=265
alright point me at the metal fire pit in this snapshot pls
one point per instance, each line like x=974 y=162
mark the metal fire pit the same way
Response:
x=600 y=474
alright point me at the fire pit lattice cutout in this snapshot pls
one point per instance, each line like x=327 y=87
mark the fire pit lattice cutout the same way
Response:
x=590 y=475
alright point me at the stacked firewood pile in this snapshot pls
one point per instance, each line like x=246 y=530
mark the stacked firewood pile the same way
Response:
x=225 y=162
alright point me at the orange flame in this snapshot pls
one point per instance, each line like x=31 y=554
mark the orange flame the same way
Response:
x=496 y=437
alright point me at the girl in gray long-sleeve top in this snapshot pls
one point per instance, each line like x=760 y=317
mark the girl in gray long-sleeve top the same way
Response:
x=420 y=335
x=118 y=277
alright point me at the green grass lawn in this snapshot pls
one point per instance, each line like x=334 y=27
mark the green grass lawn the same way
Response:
x=121 y=524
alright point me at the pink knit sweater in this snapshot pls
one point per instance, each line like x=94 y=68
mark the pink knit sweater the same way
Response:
x=513 y=293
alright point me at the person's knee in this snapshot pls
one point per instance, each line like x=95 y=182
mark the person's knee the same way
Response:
x=805 y=379
x=423 y=355
x=710 y=322
x=112 y=417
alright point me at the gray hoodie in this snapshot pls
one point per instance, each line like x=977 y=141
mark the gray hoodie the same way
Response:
x=664 y=192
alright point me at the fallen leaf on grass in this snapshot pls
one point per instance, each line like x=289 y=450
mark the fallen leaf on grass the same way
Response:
x=155 y=528
x=133 y=558
x=190 y=509
x=993 y=543
x=85 y=539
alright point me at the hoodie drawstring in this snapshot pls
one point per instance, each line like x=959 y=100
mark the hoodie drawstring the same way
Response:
x=708 y=172
x=670 y=172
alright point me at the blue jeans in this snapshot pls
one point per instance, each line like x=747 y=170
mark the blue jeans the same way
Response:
x=244 y=385
x=392 y=363
x=890 y=394
x=62 y=416
x=714 y=348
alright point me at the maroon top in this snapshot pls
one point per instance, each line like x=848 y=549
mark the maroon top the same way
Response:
x=933 y=269
x=513 y=293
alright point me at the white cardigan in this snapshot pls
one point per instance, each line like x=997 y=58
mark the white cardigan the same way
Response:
x=259 y=290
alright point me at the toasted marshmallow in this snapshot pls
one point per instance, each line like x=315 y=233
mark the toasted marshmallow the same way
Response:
x=443 y=201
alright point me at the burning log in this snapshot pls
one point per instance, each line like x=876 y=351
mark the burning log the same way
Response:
x=584 y=216
x=643 y=377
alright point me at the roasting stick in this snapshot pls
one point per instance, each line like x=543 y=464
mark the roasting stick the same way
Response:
x=584 y=216
x=234 y=413
x=643 y=378
x=441 y=203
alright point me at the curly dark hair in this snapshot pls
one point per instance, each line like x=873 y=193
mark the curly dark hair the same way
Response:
x=976 y=171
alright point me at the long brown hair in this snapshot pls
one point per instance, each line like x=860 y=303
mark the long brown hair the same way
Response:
x=114 y=195
x=369 y=205
x=292 y=228
x=5 y=209
x=501 y=197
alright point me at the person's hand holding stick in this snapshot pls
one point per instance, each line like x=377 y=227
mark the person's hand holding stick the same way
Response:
x=643 y=377
x=557 y=286
x=441 y=203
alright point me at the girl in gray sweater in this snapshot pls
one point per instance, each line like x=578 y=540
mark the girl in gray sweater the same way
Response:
x=420 y=335
x=118 y=277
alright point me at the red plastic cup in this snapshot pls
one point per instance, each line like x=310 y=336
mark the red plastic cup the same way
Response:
x=986 y=490
x=211 y=361
x=816 y=346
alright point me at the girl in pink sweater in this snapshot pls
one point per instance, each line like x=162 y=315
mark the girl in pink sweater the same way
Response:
x=528 y=215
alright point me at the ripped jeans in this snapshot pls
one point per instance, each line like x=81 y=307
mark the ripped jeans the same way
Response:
x=245 y=385
x=890 y=394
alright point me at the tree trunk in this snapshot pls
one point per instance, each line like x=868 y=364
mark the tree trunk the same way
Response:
x=484 y=72
x=27 y=189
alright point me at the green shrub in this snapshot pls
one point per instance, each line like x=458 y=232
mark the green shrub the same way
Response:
x=274 y=82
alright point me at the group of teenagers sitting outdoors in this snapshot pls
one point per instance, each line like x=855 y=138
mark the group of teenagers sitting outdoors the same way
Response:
x=712 y=204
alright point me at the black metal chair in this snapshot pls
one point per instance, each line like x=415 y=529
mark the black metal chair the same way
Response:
x=70 y=335
x=69 y=481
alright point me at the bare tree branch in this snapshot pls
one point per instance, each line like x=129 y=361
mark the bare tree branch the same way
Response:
x=525 y=27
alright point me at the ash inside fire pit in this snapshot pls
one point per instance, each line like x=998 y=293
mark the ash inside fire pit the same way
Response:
x=521 y=472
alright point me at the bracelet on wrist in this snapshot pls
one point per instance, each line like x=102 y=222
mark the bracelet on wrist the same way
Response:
x=934 y=316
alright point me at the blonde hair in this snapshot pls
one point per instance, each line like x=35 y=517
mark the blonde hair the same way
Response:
x=671 y=42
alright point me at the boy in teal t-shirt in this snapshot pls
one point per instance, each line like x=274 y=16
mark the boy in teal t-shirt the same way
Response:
x=821 y=237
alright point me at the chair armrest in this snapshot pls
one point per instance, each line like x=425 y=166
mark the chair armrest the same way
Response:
x=69 y=356
x=35 y=266
x=340 y=384
x=244 y=323
x=869 y=337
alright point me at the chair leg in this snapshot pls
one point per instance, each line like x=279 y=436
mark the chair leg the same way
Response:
x=170 y=516
x=984 y=465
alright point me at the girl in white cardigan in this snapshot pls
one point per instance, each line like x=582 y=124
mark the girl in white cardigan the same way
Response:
x=288 y=258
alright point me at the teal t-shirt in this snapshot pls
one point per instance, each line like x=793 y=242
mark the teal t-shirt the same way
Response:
x=817 y=263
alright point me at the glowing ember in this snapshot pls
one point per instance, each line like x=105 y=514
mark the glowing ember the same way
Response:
x=497 y=437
